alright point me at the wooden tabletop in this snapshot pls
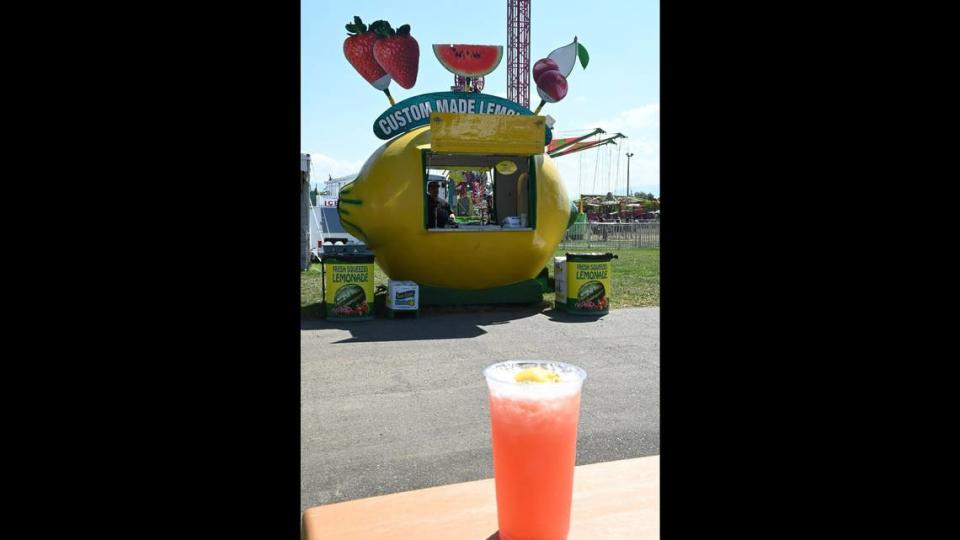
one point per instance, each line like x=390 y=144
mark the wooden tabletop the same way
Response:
x=612 y=500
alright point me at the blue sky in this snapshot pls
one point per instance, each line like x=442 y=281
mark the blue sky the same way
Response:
x=618 y=91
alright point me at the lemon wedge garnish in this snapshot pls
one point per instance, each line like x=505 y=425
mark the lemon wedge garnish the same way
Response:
x=536 y=374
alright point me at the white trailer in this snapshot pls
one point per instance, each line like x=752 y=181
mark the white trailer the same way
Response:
x=305 y=236
x=325 y=224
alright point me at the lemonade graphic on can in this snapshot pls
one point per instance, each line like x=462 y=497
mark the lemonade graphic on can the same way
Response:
x=588 y=283
x=348 y=287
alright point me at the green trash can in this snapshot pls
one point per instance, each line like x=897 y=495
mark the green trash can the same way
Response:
x=588 y=283
x=348 y=287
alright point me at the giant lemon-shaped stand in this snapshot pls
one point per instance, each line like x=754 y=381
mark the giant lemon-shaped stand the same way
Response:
x=385 y=207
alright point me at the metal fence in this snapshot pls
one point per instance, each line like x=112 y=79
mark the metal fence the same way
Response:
x=644 y=234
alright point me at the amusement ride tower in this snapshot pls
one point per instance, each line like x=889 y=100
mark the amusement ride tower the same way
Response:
x=518 y=51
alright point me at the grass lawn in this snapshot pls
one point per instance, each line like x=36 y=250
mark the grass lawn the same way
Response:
x=635 y=278
x=635 y=281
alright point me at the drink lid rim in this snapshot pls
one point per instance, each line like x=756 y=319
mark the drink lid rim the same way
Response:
x=490 y=374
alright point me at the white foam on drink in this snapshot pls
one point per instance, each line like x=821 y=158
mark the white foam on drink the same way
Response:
x=501 y=381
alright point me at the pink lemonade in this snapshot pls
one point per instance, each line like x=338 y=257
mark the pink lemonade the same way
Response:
x=534 y=430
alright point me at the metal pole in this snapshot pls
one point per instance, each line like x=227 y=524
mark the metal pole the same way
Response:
x=629 y=155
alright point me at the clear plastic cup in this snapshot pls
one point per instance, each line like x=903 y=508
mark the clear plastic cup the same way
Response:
x=534 y=432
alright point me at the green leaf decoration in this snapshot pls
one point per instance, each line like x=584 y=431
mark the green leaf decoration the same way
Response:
x=582 y=54
x=382 y=28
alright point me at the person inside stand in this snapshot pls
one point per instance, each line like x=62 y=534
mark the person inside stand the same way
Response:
x=491 y=211
x=438 y=211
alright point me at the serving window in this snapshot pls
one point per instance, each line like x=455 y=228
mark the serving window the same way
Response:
x=483 y=192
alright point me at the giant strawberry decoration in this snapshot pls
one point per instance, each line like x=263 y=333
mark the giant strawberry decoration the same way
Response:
x=358 y=48
x=397 y=52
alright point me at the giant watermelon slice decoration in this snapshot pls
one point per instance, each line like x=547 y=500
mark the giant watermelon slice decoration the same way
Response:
x=469 y=60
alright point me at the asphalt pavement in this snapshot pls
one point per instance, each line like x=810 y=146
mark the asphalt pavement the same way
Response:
x=396 y=405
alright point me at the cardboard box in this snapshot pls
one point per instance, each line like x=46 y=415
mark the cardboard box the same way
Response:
x=403 y=295
x=560 y=281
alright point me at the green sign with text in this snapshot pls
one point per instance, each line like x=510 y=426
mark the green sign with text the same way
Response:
x=415 y=111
